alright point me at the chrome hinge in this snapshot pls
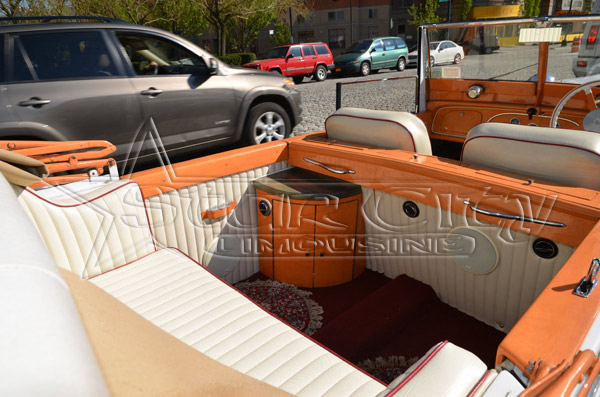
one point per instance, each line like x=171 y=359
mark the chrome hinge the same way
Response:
x=587 y=284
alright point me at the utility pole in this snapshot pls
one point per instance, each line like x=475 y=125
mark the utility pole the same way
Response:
x=291 y=27
x=351 y=25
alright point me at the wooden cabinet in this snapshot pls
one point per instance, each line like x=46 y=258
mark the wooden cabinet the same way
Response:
x=309 y=228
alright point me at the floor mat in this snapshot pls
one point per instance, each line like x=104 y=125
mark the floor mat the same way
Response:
x=285 y=301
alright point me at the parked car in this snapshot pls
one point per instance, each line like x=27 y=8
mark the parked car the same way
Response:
x=587 y=62
x=297 y=61
x=371 y=55
x=445 y=52
x=413 y=53
x=106 y=79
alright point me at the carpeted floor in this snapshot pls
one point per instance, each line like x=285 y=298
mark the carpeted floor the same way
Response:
x=374 y=316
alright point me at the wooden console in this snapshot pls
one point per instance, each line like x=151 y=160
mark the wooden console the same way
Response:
x=309 y=228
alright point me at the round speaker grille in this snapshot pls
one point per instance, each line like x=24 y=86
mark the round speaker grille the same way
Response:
x=545 y=248
x=472 y=250
x=411 y=209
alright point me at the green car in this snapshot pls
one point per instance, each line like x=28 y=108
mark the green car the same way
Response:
x=371 y=55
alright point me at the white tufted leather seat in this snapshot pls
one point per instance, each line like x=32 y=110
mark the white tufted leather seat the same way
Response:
x=105 y=235
x=387 y=129
x=445 y=370
x=566 y=156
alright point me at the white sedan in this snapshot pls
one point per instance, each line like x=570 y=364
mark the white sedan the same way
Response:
x=445 y=52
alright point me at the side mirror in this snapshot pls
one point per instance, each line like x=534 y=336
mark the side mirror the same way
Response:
x=213 y=65
x=289 y=56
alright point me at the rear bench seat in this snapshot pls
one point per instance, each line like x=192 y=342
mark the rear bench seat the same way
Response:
x=105 y=236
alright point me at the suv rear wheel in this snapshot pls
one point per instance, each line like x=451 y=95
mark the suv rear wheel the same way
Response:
x=320 y=73
x=266 y=122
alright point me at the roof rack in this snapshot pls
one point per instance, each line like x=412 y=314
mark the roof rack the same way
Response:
x=74 y=18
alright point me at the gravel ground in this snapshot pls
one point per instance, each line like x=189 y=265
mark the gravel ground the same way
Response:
x=319 y=97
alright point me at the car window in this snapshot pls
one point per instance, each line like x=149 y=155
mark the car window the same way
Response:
x=156 y=55
x=390 y=44
x=64 y=55
x=277 y=52
x=308 y=50
x=443 y=46
x=295 y=52
x=400 y=43
x=377 y=46
x=322 y=50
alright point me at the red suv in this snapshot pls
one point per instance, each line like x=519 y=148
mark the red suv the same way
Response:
x=297 y=61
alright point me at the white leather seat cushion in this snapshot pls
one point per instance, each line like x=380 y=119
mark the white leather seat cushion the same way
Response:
x=445 y=370
x=566 y=156
x=391 y=130
x=95 y=232
x=44 y=347
x=186 y=300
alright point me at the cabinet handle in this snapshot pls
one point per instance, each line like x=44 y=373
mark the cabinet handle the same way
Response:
x=334 y=170
x=219 y=211
x=511 y=216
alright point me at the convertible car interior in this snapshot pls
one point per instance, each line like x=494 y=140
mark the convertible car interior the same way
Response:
x=126 y=285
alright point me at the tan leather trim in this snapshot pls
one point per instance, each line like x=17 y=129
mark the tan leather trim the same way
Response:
x=192 y=172
x=446 y=184
x=21 y=170
x=139 y=359
x=555 y=326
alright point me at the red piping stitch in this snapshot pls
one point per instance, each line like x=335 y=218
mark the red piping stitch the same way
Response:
x=419 y=368
x=474 y=389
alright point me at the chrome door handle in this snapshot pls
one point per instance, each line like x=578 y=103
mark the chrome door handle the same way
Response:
x=35 y=102
x=334 y=170
x=511 y=216
x=151 y=92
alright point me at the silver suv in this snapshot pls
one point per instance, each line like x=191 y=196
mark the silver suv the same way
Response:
x=64 y=79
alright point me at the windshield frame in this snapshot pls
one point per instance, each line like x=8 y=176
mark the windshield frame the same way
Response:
x=423 y=72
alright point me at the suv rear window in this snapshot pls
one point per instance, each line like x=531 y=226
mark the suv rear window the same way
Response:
x=308 y=50
x=322 y=50
x=64 y=55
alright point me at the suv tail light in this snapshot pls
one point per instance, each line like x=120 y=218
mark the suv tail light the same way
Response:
x=582 y=64
x=593 y=36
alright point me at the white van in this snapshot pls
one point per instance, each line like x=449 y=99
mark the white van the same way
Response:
x=587 y=62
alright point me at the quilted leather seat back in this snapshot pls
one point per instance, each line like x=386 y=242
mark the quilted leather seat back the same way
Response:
x=92 y=233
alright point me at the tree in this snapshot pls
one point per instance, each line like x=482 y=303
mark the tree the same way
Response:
x=531 y=8
x=465 y=9
x=282 y=34
x=223 y=13
x=244 y=31
x=13 y=8
x=424 y=12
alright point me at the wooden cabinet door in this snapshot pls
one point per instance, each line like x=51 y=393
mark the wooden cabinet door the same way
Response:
x=335 y=243
x=293 y=242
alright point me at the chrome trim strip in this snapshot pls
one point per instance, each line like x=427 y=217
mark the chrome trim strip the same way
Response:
x=510 y=216
x=334 y=170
